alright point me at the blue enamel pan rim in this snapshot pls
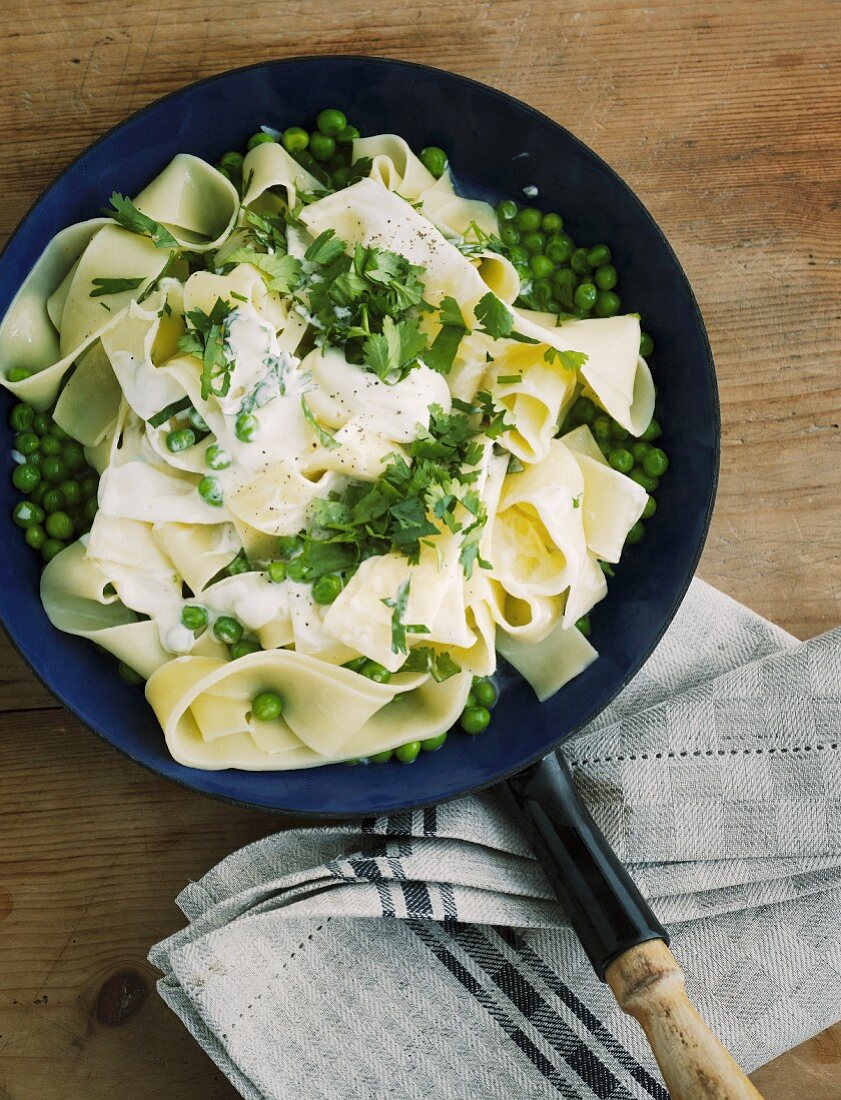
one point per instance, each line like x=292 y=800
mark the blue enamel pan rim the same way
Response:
x=680 y=592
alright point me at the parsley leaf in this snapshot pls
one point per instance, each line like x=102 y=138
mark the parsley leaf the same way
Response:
x=169 y=411
x=166 y=270
x=284 y=271
x=569 y=360
x=126 y=214
x=497 y=320
x=453 y=329
x=206 y=341
x=395 y=349
x=399 y=629
x=113 y=286
x=325 y=438
x=325 y=248
x=424 y=658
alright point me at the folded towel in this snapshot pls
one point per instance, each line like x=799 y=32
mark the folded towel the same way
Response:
x=716 y=775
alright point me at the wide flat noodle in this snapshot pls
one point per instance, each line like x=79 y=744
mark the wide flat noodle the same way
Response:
x=549 y=664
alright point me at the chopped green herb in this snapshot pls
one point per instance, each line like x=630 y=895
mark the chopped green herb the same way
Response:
x=569 y=360
x=497 y=320
x=440 y=355
x=325 y=248
x=284 y=271
x=126 y=214
x=166 y=270
x=113 y=286
x=206 y=341
x=395 y=350
x=399 y=629
x=167 y=413
x=325 y=438
x=425 y=659
x=509 y=379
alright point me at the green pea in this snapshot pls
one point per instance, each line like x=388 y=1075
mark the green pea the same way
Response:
x=617 y=432
x=584 y=410
x=322 y=147
x=583 y=624
x=243 y=648
x=295 y=139
x=646 y=345
x=560 y=247
x=652 y=432
x=37 y=494
x=579 y=262
x=54 y=469
x=224 y=172
x=470 y=701
x=640 y=448
x=25 y=513
x=534 y=241
x=42 y=423
x=585 y=296
x=355 y=665
x=551 y=223
x=239 y=564
x=210 y=491
x=71 y=490
x=59 y=525
x=127 y=673
x=89 y=487
x=348 y=135
x=376 y=672
x=26 y=443
x=599 y=255
x=542 y=267
x=381 y=757
x=601 y=428
x=341 y=178
x=194 y=617
x=51 y=547
x=564 y=284
x=91 y=508
x=605 y=277
x=529 y=219
x=246 y=427
x=258 y=139
x=267 y=706
x=327 y=588
x=231 y=161
x=621 y=460
x=433 y=744
x=26 y=477
x=434 y=160
x=276 y=572
x=517 y=254
x=331 y=121
x=73 y=455
x=18 y=374
x=485 y=693
x=475 y=719
x=227 y=629
x=524 y=272
x=650 y=508
x=607 y=304
x=35 y=536
x=217 y=458
x=181 y=439
x=655 y=463
x=552 y=307
x=635 y=534
x=22 y=417
x=542 y=291
x=408 y=753
x=296 y=570
x=506 y=210
x=510 y=235
x=53 y=501
x=650 y=484
x=50 y=445
x=353 y=761
x=337 y=162
x=197 y=420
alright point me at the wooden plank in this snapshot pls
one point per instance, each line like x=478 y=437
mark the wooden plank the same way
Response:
x=724 y=117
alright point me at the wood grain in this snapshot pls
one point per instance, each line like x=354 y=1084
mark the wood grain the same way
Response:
x=724 y=117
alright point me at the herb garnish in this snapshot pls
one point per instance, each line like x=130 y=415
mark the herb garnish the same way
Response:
x=113 y=286
x=424 y=658
x=206 y=341
x=284 y=271
x=399 y=629
x=442 y=351
x=126 y=214
x=325 y=438
x=497 y=320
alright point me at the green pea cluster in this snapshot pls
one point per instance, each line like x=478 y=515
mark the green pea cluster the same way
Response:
x=637 y=457
x=475 y=718
x=59 y=488
x=325 y=151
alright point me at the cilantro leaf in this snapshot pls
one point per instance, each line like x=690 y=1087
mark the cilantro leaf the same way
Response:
x=325 y=248
x=399 y=629
x=113 y=286
x=325 y=438
x=494 y=317
x=569 y=360
x=126 y=214
x=284 y=271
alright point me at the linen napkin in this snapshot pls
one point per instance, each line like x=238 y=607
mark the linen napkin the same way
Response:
x=423 y=955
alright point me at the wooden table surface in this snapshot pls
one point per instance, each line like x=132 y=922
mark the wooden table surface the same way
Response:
x=724 y=118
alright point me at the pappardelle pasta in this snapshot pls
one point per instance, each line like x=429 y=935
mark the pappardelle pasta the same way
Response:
x=307 y=439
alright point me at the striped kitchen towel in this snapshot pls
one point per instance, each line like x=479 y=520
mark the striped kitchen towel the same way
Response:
x=423 y=955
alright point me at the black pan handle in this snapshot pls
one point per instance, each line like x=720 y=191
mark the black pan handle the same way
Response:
x=599 y=897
